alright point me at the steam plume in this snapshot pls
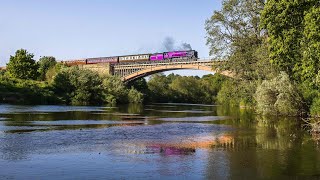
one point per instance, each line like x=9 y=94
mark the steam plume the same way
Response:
x=169 y=44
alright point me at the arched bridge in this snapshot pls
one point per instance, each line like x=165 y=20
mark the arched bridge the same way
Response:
x=129 y=72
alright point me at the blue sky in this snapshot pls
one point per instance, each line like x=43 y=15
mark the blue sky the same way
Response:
x=68 y=29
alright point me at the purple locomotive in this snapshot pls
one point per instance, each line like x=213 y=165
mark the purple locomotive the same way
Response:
x=191 y=54
x=173 y=54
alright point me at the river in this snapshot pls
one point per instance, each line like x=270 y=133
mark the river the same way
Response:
x=157 y=141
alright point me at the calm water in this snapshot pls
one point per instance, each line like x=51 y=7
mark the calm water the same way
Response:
x=171 y=141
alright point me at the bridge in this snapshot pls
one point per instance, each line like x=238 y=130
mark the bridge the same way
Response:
x=129 y=72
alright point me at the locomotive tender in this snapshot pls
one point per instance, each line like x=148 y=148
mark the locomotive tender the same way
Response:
x=136 y=58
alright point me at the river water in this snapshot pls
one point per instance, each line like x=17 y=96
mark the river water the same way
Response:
x=158 y=141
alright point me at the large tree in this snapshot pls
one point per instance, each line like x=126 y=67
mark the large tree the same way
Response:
x=234 y=34
x=22 y=65
x=293 y=32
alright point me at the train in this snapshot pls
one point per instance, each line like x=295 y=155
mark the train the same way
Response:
x=165 y=56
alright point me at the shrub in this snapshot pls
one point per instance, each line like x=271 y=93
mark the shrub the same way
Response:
x=278 y=97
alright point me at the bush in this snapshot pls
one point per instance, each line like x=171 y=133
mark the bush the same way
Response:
x=135 y=96
x=278 y=97
x=79 y=86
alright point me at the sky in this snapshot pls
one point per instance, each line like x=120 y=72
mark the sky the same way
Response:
x=70 y=29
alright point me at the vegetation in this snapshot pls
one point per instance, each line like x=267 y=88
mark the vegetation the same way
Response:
x=78 y=87
x=22 y=65
x=20 y=91
x=272 y=47
x=183 y=89
x=281 y=81
x=58 y=84
x=278 y=96
x=45 y=63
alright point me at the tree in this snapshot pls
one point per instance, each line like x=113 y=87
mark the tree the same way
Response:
x=22 y=65
x=159 y=88
x=114 y=89
x=187 y=89
x=79 y=86
x=234 y=34
x=135 y=96
x=285 y=23
x=211 y=85
x=45 y=63
x=311 y=47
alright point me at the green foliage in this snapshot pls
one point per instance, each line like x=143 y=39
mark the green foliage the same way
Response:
x=315 y=107
x=293 y=30
x=234 y=35
x=19 y=91
x=79 y=86
x=141 y=85
x=159 y=87
x=311 y=47
x=53 y=71
x=237 y=93
x=134 y=96
x=278 y=96
x=182 y=89
x=114 y=90
x=294 y=42
x=186 y=89
x=45 y=63
x=22 y=65
x=2 y=72
x=211 y=85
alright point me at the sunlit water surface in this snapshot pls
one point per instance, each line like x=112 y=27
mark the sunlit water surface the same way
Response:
x=171 y=141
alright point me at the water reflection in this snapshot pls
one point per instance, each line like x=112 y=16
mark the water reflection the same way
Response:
x=159 y=141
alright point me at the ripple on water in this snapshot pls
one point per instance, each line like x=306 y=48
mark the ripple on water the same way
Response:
x=6 y=109
x=185 y=111
x=195 y=119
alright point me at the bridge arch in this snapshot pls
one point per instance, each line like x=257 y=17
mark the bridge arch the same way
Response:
x=143 y=72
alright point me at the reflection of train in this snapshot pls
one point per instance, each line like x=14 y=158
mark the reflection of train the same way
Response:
x=136 y=58
x=165 y=150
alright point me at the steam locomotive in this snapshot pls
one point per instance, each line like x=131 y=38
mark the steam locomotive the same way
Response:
x=173 y=55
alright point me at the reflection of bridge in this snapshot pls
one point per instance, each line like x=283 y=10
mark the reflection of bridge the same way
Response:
x=129 y=72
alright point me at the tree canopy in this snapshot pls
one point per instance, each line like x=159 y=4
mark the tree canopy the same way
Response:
x=22 y=65
x=45 y=63
x=234 y=34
